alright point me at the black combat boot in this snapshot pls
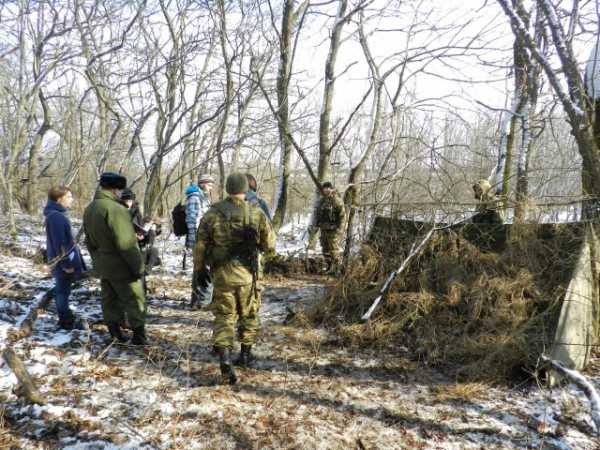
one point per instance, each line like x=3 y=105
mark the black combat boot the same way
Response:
x=227 y=372
x=115 y=331
x=139 y=336
x=246 y=358
x=66 y=324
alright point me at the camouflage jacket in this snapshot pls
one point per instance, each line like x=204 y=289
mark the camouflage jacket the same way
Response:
x=491 y=203
x=221 y=246
x=330 y=213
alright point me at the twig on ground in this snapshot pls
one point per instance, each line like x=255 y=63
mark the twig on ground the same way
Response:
x=41 y=302
x=583 y=383
x=26 y=387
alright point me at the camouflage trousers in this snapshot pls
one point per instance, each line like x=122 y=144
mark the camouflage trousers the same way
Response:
x=330 y=244
x=120 y=297
x=235 y=305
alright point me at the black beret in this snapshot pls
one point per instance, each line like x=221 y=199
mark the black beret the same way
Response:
x=127 y=194
x=113 y=180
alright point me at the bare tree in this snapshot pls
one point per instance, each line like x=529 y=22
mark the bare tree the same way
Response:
x=575 y=101
x=291 y=25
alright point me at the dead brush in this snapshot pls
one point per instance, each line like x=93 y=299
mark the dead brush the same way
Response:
x=477 y=311
x=459 y=391
x=8 y=435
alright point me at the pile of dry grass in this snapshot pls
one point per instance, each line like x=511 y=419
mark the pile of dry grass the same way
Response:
x=477 y=313
x=294 y=264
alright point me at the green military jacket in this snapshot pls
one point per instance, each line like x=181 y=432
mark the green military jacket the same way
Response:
x=330 y=213
x=490 y=204
x=111 y=240
x=218 y=240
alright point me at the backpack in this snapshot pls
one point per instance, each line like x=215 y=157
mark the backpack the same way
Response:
x=180 y=227
x=242 y=240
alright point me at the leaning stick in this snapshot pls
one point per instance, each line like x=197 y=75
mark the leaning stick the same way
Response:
x=26 y=387
x=583 y=383
x=414 y=251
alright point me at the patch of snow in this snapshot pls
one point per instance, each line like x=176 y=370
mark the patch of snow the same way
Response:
x=61 y=338
x=104 y=445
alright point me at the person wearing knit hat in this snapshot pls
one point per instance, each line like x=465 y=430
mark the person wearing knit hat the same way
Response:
x=230 y=236
x=237 y=183
x=196 y=204
x=205 y=179
x=117 y=259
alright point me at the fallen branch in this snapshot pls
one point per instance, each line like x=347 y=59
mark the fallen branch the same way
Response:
x=414 y=251
x=583 y=383
x=41 y=301
x=26 y=387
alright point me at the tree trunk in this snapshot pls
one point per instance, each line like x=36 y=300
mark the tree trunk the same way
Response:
x=32 y=166
x=323 y=168
x=283 y=82
x=228 y=95
x=351 y=195
x=153 y=188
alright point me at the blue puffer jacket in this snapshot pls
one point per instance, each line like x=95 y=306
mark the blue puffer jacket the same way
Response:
x=196 y=204
x=60 y=244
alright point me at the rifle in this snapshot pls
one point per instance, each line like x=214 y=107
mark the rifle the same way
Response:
x=250 y=239
x=254 y=268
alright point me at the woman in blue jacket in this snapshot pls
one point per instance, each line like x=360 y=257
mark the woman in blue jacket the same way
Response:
x=64 y=256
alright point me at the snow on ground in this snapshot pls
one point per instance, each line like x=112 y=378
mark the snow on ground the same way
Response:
x=293 y=237
x=307 y=391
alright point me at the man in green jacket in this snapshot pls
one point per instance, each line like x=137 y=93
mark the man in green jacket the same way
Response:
x=117 y=258
x=490 y=208
x=230 y=236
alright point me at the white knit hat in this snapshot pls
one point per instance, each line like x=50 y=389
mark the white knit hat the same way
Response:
x=205 y=178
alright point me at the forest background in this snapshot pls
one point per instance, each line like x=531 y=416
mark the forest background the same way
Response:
x=402 y=104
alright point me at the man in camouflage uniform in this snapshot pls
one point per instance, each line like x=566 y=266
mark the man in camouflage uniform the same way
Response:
x=230 y=235
x=117 y=258
x=330 y=220
x=490 y=208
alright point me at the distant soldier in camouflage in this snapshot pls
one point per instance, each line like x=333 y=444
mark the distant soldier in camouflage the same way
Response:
x=230 y=236
x=330 y=220
x=490 y=207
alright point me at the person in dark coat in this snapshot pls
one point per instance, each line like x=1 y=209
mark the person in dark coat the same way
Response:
x=253 y=198
x=64 y=256
x=146 y=230
x=128 y=198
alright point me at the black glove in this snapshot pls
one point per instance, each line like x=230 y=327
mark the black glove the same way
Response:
x=202 y=277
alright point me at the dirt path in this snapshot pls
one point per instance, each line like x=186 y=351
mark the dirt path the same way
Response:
x=307 y=392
